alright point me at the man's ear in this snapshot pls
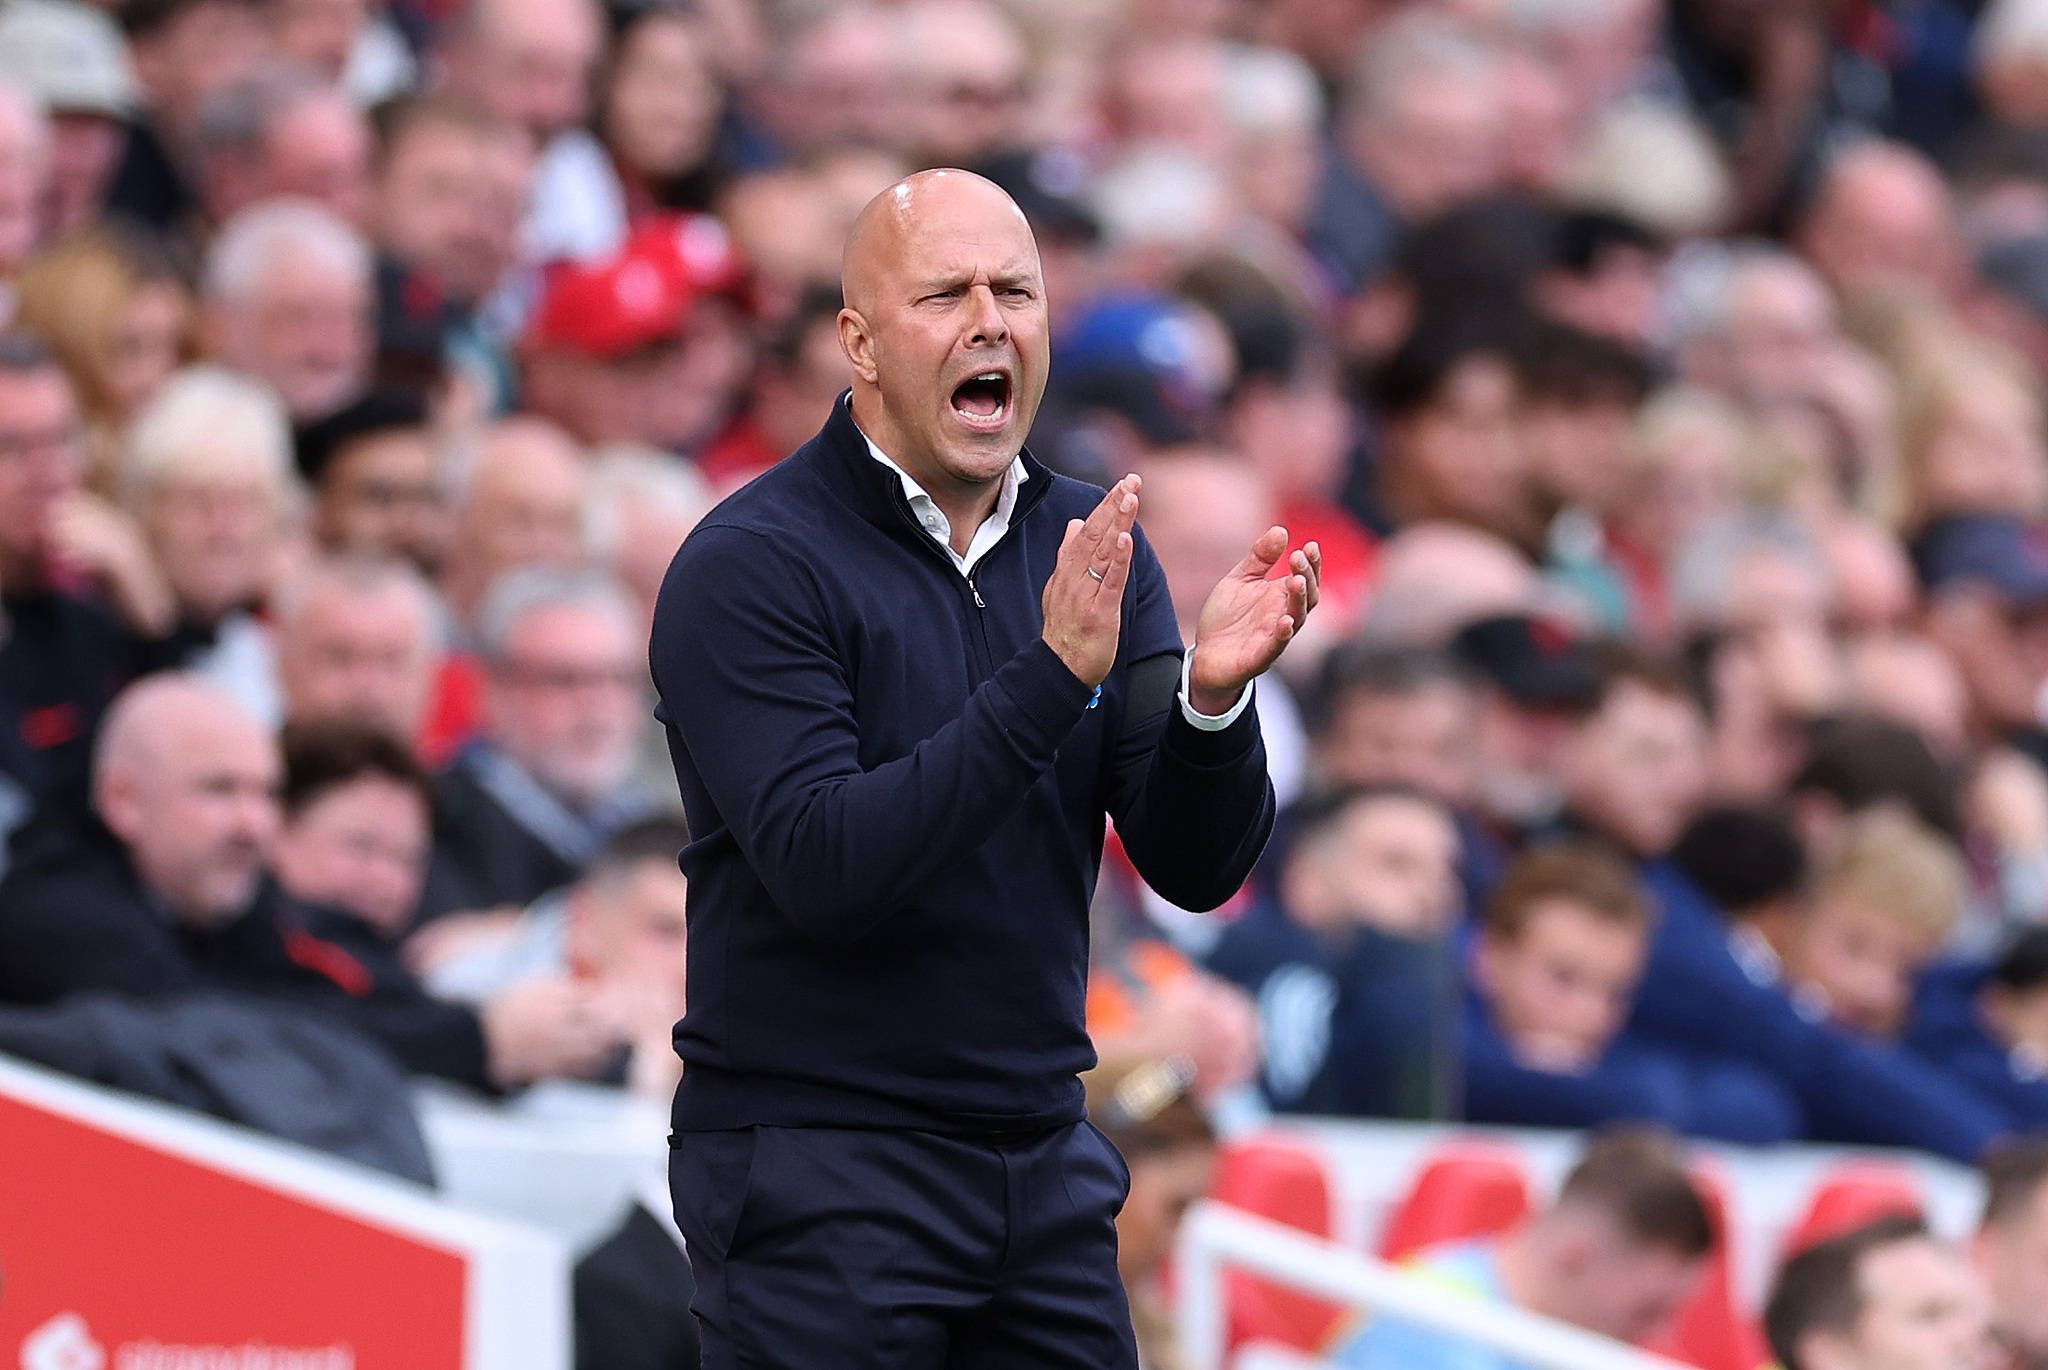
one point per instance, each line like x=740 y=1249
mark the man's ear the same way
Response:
x=118 y=802
x=858 y=344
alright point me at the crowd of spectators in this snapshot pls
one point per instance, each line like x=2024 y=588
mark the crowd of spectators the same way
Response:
x=1663 y=381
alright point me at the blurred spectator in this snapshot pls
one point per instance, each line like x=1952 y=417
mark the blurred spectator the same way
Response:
x=1553 y=974
x=359 y=640
x=1988 y=1023
x=1348 y=958
x=1617 y=1254
x=963 y=72
x=2010 y=1251
x=1436 y=577
x=1881 y=910
x=185 y=51
x=170 y=894
x=378 y=486
x=799 y=373
x=282 y=131
x=529 y=63
x=1202 y=509
x=833 y=81
x=444 y=219
x=1987 y=607
x=64 y=655
x=24 y=180
x=619 y=928
x=356 y=825
x=350 y=43
x=1883 y=219
x=208 y=476
x=1888 y=1296
x=661 y=110
x=1169 y=1147
x=1605 y=278
x=642 y=504
x=289 y=301
x=1452 y=446
x=1971 y=435
x=1539 y=682
x=530 y=802
x=518 y=503
x=115 y=312
x=1904 y=678
x=1421 y=131
x=72 y=57
x=632 y=1292
x=648 y=346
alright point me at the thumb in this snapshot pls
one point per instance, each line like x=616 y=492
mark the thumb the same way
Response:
x=1264 y=555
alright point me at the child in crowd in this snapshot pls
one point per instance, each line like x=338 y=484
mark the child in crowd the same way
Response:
x=1553 y=974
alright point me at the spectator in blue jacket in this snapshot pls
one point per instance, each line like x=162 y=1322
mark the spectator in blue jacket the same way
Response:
x=1351 y=965
x=1987 y=1024
x=1635 y=777
x=1553 y=974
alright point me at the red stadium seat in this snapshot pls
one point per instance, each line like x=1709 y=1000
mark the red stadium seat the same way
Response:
x=1468 y=1189
x=1286 y=1182
x=1854 y=1194
x=1712 y=1330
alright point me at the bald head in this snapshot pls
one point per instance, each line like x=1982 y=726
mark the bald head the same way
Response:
x=188 y=781
x=1884 y=220
x=1202 y=508
x=945 y=325
x=522 y=505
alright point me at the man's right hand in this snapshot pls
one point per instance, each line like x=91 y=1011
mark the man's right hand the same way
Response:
x=546 y=1029
x=1084 y=598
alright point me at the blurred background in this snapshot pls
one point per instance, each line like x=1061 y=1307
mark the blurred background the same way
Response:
x=1662 y=380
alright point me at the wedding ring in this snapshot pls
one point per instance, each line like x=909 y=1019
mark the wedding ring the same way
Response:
x=1093 y=572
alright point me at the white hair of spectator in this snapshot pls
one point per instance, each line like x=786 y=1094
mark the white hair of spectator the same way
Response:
x=2012 y=30
x=530 y=589
x=1703 y=571
x=1267 y=91
x=238 y=118
x=646 y=478
x=1650 y=161
x=252 y=242
x=1160 y=195
x=1705 y=279
x=364 y=574
x=1421 y=48
x=210 y=423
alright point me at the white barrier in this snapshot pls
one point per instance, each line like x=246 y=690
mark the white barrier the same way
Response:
x=135 y=1235
x=1216 y=1237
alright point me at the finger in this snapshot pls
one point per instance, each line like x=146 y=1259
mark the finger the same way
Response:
x=1265 y=554
x=1119 y=568
x=1314 y=552
x=1104 y=513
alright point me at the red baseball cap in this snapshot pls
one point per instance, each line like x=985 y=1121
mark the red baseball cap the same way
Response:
x=642 y=294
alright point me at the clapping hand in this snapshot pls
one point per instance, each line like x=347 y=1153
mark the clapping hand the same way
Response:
x=1249 y=620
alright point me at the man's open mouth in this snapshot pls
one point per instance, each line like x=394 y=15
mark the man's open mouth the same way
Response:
x=983 y=399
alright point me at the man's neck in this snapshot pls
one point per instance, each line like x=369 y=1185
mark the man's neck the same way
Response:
x=966 y=504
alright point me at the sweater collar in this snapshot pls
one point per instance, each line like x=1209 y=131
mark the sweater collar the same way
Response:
x=876 y=492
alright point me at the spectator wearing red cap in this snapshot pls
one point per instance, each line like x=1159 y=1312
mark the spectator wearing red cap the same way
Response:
x=647 y=346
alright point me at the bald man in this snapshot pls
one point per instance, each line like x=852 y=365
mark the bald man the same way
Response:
x=906 y=675
x=166 y=894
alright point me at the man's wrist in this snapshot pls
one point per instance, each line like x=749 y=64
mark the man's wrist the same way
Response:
x=1206 y=708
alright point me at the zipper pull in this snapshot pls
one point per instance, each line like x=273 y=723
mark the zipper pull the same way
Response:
x=975 y=590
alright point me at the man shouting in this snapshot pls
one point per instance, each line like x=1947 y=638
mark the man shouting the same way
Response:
x=905 y=674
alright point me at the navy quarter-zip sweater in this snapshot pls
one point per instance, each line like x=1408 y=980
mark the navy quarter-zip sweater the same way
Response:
x=896 y=793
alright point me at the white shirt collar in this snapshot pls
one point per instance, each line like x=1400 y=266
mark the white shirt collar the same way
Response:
x=933 y=519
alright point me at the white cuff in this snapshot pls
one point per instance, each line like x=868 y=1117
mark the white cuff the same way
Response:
x=1208 y=723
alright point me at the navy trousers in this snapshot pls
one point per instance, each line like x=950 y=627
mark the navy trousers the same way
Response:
x=855 y=1250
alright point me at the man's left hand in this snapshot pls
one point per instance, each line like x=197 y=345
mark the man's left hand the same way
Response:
x=1249 y=619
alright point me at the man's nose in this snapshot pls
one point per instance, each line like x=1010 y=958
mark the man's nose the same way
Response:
x=989 y=325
